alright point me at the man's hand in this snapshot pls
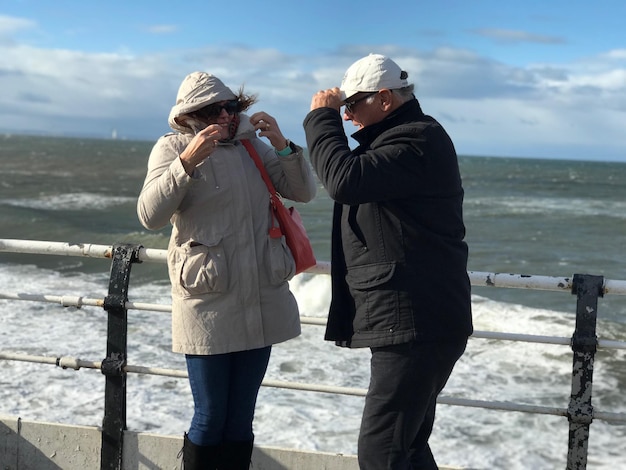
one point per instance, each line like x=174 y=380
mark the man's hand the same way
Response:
x=330 y=98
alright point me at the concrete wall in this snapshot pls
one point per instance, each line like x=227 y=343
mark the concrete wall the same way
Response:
x=33 y=445
x=30 y=445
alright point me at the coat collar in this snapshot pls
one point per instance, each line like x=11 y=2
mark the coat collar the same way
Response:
x=407 y=112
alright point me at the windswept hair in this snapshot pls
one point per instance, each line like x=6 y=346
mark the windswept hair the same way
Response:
x=245 y=101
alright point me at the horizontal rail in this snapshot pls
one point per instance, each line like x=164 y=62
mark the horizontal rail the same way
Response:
x=477 y=278
x=602 y=343
x=520 y=281
x=536 y=409
x=78 y=302
x=89 y=250
x=524 y=281
x=75 y=364
x=584 y=342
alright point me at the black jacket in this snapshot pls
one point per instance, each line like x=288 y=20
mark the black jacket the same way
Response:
x=399 y=262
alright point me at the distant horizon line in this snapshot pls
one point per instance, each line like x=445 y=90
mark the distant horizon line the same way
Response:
x=114 y=137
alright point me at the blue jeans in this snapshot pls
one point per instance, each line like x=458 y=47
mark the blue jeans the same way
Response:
x=400 y=404
x=224 y=389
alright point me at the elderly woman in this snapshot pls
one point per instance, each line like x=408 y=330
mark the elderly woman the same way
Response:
x=230 y=293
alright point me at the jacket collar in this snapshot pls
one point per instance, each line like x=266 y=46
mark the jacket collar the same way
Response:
x=407 y=112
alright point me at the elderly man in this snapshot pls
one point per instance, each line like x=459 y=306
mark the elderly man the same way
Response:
x=399 y=262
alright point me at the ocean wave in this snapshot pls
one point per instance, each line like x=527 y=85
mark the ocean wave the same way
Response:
x=490 y=370
x=530 y=205
x=70 y=202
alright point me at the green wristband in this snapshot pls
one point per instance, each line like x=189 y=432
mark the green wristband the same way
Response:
x=286 y=151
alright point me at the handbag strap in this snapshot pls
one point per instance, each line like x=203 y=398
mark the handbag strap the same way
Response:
x=259 y=164
x=274 y=230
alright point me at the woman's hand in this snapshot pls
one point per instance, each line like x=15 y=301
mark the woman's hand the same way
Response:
x=269 y=128
x=200 y=147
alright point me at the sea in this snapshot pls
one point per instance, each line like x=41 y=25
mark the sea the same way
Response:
x=544 y=217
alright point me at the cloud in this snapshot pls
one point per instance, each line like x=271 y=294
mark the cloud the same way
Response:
x=10 y=25
x=462 y=74
x=487 y=106
x=591 y=83
x=615 y=55
x=514 y=36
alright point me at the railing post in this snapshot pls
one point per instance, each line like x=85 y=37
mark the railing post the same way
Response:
x=587 y=289
x=114 y=421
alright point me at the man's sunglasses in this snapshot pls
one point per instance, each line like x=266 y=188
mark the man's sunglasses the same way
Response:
x=214 y=110
x=350 y=104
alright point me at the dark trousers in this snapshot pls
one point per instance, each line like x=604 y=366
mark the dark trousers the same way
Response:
x=224 y=389
x=400 y=404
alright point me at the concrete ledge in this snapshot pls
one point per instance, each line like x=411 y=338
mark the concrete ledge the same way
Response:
x=274 y=458
x=47 y=446
x=35 y=445
x=50 y=446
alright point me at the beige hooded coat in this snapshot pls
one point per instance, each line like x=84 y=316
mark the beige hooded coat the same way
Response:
x=230 y=288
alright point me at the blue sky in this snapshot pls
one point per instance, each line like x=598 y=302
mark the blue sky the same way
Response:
x=542 y=79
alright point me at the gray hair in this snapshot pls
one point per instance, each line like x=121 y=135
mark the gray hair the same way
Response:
x=405 y=94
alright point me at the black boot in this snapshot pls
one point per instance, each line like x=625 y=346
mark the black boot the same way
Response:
x=235 y=455
x=199 y=457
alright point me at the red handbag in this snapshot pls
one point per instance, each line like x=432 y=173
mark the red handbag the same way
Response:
x=289 y=221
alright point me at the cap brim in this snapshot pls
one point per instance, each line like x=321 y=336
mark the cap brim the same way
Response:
x=346 y=95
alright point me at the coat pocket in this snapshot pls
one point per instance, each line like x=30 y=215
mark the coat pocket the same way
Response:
x=280 y=264
x=375 y=299
x=201 y=269
x=369 y=275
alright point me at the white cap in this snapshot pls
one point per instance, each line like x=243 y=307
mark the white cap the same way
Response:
x=372 y=73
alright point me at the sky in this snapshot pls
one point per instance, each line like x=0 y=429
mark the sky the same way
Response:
x=537 y=79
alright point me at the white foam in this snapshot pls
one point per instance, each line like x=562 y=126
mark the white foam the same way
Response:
x=70 y=202
x=543 y=206
x=490 y=370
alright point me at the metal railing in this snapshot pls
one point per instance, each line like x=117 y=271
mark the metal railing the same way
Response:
x=584 y=342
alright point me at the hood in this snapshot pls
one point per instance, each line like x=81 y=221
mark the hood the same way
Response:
x=198 y=89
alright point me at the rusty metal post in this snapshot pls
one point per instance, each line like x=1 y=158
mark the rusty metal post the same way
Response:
x=114 y=421
x=587 y=289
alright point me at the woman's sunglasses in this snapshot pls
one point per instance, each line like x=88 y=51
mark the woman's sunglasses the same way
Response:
x=214 y=110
